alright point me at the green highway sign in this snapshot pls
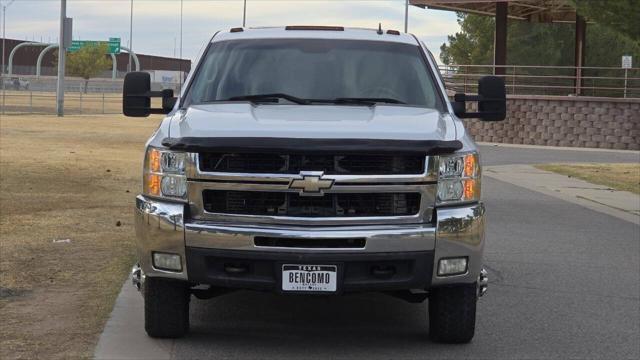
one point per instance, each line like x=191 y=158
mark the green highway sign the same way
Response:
x=113 y=45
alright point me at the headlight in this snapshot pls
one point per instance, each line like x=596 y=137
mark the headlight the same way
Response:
x=164 y=174
x=458 y=179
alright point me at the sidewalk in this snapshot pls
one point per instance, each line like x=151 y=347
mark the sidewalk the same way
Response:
x=621 y=204
x=124 y=337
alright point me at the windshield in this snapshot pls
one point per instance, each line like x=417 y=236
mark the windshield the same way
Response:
x=317 y=69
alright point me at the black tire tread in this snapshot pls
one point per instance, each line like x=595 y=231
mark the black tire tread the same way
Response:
x=166 y=308
x=452 y=313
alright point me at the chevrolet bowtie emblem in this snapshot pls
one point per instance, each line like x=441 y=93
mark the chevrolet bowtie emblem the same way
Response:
x=311 y=183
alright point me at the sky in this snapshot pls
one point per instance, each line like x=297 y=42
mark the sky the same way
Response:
x=156 y=23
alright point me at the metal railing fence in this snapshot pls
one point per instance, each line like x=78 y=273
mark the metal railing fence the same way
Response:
x=31 y=94
x=548 y=80
x=36 y=102
x=37 y=95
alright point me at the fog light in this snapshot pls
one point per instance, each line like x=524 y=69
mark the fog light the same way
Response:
x=452 y=266
x=449 y=190
x=175 y=186
x=164 y=261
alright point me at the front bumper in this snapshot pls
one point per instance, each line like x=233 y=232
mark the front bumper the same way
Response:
x=413 y=250
x=262 y=270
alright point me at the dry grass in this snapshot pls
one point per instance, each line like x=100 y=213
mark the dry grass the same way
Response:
x=65 y=178
x=624 y=177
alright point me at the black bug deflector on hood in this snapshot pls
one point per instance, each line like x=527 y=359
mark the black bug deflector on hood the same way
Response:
x=312 y=145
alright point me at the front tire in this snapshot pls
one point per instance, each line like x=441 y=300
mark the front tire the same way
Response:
x=452 y=313
x=166 y=308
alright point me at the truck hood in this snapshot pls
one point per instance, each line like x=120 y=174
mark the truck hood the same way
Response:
x=244 y=120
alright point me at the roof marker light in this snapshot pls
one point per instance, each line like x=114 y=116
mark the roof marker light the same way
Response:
x=314 y=27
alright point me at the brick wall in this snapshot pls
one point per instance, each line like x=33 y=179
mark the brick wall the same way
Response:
x=564 y=121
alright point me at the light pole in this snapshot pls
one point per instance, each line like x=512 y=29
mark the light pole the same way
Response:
x=4 y=21
x=244 y=14
x=130 y=36
x=62 y=49
x=181 y=75
x=406 y=16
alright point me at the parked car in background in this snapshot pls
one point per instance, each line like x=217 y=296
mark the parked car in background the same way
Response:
x=17 y=83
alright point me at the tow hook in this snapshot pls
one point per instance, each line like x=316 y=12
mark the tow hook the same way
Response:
x=136 y=276
x=483 y=282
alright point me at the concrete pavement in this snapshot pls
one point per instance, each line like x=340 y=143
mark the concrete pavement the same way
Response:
x=505 y=154
x=564 y=283
x=124 y=336
x=621 y=204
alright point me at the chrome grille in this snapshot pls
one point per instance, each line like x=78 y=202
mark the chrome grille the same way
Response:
x=294 y=163
x=292 y=204
x=369 y=194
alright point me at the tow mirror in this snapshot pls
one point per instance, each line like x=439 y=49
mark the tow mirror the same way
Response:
x=491 y=98
x=137 y=94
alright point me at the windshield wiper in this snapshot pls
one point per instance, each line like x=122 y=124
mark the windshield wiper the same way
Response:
x=270 y=98
x=357 y=101
x=367 y=100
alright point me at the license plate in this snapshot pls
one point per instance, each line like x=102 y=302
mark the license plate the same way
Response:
x=310 y=278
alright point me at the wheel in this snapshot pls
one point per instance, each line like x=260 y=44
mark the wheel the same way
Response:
x=452 y=313
x=166 y=308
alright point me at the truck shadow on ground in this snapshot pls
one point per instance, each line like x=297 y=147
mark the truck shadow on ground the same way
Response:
x=327 y=324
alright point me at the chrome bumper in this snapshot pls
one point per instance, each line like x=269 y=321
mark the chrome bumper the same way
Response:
x=459 y=231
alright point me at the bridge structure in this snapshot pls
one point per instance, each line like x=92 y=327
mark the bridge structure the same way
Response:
x=51 y=46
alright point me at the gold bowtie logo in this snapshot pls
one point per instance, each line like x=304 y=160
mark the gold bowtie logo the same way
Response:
x=311 y=183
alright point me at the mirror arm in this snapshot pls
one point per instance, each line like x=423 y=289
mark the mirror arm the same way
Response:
x=163 y=94
x=463 y=98
x=151 y=110
x=159 y=111
x=491 y=99
x=471 y=115
x=168 y=100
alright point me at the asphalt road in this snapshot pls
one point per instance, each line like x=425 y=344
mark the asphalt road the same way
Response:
x=564 y=283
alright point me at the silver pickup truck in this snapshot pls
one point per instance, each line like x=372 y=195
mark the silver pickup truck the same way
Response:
x=317 y=161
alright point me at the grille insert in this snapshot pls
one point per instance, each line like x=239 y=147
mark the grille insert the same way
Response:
x=294 y=163
x=264 y=241
x=266 y=203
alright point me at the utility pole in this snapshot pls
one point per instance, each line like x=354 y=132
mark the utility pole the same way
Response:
x=244 y=14
x=61 y=58
x=406 y=16
x=180 y=67
x=130 y=36
x=4 y=22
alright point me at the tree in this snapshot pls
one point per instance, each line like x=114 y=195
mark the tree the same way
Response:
x=541 y=44
x=622 y=16
x=88 y=62
x=473 y=45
